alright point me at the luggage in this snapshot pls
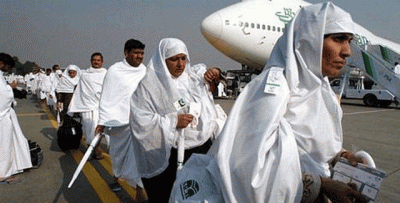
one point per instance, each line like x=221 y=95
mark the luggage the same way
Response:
x=69 y=134
x=36 y=154
x=20 y=94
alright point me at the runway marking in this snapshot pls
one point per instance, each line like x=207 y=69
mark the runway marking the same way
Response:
x=31 y=114
x=362 y=112
x=106 y=163
x=99 y=185
x=51 y=117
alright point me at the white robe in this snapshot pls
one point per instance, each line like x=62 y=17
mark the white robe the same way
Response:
x=86 y=99
x=285 y=122
x=28 y=80
x=45 y=87
x=34 y=86
x=14 y=148
x=120 y=82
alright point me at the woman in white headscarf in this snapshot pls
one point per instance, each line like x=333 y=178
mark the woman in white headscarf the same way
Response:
x=14 y=148
x=285 y=127
x=172 y=99
x=66 y=87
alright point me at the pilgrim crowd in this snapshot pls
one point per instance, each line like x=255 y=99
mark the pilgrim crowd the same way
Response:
x=279 y=143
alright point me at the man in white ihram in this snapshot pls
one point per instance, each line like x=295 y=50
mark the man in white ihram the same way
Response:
x=285 y=127
x=86 y=99
x=120 y=82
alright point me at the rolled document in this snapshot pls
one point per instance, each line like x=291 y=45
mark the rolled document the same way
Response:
x=181 y=149
x=92 y=145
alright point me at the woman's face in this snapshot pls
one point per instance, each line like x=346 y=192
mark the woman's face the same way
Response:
x=335 y=51
x=176 y=64
x=72 y=73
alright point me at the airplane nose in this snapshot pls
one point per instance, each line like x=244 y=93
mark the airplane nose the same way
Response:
x=211 y=27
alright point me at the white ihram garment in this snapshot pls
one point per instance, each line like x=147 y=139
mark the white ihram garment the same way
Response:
x=86 y=99
x=120 y=82
x=45 y=87
x=14 y=148
x=285 y=122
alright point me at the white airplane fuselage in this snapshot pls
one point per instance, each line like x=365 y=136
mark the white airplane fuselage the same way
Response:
x=247 y=31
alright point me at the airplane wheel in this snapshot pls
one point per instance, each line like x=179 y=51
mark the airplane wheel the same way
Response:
x=370 y=100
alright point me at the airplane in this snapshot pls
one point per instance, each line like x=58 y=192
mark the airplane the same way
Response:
x=247 y=31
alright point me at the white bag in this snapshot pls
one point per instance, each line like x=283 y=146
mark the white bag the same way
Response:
x=197 y=181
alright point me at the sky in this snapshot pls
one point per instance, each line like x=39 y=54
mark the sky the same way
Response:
x=50 y=32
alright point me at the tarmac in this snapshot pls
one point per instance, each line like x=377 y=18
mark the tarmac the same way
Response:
x=372 y=129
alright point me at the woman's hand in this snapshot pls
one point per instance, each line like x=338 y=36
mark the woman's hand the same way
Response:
x=184 y=120
x=212 y=76
x=352 y=158
x=340 y=192
x=99 y=129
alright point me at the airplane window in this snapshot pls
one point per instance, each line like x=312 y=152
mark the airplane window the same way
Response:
x=246 y=24
x=241 y=24
x=252 y=25
x=269 y=27
x=263 y=27
x=273 y=28
x=226 y=22
x=279 y=29
x=258 y=26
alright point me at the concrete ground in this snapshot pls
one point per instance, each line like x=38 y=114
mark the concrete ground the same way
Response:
x=375 y=130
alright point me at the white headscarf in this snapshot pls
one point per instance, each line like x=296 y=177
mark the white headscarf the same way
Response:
x=67 y=84
x=153 y=117
x=168 y=48
x=273 y=135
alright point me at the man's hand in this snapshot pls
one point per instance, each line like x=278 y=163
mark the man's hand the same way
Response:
x=212 y=76
x=184 y=120
x=340 y=192
x=99 y=129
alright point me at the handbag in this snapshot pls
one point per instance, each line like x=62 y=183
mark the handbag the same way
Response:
x=69 y=134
